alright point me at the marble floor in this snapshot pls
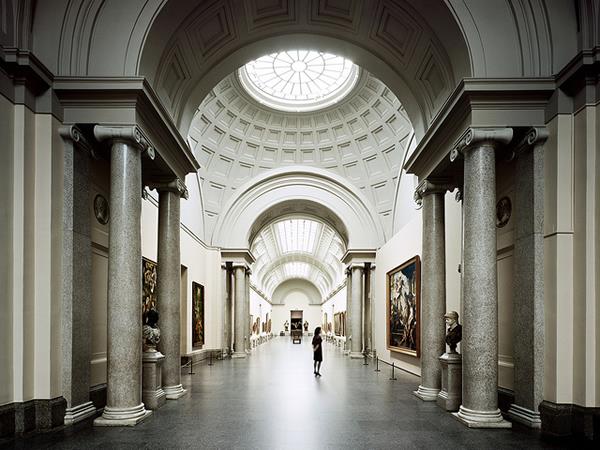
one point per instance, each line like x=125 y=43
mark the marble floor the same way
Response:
x=272 y=400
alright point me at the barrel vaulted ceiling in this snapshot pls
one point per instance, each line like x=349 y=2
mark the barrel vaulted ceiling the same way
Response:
x=298 y=247
x=362 y=138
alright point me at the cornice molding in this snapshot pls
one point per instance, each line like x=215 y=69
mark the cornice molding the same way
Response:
x=359 y=256
x=480 y=103
x=122 y=101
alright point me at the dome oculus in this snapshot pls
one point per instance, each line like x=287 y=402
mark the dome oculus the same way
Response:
x=298 y=80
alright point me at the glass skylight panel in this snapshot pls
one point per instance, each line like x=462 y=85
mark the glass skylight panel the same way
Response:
x=299 y=80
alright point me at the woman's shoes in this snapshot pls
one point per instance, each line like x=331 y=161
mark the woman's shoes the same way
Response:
x=317 y=374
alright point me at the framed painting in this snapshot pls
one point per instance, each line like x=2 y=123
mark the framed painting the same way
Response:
x=337 y=324
x=197 y=315
x=403 y=307
x=149 y=282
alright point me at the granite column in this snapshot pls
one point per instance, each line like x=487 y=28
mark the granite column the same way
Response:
x=480 y=317
x=77 y=277
x=124 y=375
x=356 y=318
x=227 y=310
x=169 y=284
x=528 y=304
x=348 y=324
x=433 y=288
x=248 y=325
x=368 y=298
x=239 y=347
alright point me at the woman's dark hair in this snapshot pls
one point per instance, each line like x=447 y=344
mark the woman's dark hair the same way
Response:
x=317 y=331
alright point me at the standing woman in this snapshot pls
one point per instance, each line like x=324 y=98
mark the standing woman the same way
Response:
x=317 y=351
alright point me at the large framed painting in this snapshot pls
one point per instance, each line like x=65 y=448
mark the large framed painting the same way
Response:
x=403 y=307
x=149 y=281
x=337 y=324
x=197 y=315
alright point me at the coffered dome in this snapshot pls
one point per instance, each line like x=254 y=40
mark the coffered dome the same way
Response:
x=362 y=138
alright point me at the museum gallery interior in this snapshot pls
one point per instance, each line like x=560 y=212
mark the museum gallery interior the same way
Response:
x=190 y=188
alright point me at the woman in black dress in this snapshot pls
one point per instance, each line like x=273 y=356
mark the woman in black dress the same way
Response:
x=317 y=351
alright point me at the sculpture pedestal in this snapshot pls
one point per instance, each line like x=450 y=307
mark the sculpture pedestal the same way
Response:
x=450 y=397
x=153 y=395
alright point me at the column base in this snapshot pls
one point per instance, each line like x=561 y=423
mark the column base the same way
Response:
x=356 y=355
x=174 y=392
x=79 y=413
x=481 y=419
x=236 y=355
x=527 y=417
x=122 y=417
x=426 y=394
x=154 y=399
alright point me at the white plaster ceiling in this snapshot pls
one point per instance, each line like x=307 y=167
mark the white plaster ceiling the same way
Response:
x=362 y=139
x=298 y=248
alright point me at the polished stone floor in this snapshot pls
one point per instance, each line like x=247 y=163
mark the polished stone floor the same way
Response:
x=272 y=400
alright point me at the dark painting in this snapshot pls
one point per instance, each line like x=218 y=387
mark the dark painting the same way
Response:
x=197 y=315
x=149 y=281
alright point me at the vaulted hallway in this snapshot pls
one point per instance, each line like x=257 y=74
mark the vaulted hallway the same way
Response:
x=273 y=401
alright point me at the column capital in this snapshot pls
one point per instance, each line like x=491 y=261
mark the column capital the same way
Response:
x=474 y=137
x=74 y=134
x=240 y=265
x=130 y=134
x=356 y=266
x=431 y=186
x=176 y=185
x=535 y=136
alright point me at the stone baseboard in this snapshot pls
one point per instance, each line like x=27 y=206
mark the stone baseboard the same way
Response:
x=98 y=396
x=565 y=420
x=7 y=420
x=33 y=415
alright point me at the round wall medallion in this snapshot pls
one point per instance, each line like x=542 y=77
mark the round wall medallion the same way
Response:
x=503 y=212
x=101 y=210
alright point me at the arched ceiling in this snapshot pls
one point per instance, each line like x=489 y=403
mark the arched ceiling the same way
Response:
x=297 y=248
x=362 y=138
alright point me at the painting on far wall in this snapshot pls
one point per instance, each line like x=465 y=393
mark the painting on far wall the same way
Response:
x=403 y=306
x=149 y=279
x=337 y=324
x=197 y=315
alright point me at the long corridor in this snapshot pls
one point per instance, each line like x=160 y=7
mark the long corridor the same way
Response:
x=272 y=400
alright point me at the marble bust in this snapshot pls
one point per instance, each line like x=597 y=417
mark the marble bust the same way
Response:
x=150 y=331
x=454 y=332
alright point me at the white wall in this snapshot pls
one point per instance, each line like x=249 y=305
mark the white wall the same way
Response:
x=259 y=307
x=297 y=299
x=403 y=246
x=6 y=254
x=335 y=304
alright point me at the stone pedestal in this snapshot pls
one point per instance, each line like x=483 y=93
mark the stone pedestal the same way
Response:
x=450 y=397
x=153 y=395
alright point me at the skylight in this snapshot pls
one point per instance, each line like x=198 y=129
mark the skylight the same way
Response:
x=298 y=247
x=299 y=80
